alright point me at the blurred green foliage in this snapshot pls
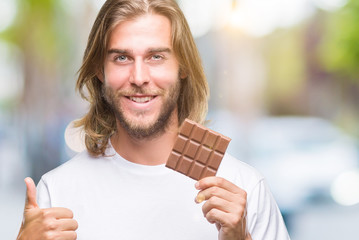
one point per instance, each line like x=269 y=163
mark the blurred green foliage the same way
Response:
x=37 y=28
x=285 y=55
x=339 y=51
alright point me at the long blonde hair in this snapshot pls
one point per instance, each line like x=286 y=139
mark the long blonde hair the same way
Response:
x=100 y=123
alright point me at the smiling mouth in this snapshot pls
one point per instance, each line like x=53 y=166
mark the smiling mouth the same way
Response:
x=141 y=99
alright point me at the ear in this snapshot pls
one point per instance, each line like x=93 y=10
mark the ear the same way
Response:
x=100 y=76
x=183 y=74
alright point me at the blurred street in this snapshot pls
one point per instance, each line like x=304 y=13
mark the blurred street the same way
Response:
x=325 y=221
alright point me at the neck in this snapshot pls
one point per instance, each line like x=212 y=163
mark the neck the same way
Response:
x=148 y=151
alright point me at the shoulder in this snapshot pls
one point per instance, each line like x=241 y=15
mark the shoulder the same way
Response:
x=80 y=163
x=239 y=172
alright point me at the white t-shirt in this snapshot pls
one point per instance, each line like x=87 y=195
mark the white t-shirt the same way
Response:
x=112 y=198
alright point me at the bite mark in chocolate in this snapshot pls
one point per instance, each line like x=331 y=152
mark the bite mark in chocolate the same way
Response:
x=198 y=151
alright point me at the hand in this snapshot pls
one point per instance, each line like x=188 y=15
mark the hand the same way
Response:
x=225 y=206
x=50 y=223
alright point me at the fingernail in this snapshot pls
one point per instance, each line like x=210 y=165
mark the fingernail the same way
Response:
x=199 y=198
x=196 y=185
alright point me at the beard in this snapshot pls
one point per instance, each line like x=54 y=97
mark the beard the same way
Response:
x=140 y=130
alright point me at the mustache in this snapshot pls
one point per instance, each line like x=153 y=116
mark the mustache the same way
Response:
x=134 y=90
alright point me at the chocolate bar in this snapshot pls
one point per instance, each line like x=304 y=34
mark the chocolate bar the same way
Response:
x=198 y=151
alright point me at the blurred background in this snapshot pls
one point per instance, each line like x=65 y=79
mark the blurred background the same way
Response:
x=284 y=78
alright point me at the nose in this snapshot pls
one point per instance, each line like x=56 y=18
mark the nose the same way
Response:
x=140 y=74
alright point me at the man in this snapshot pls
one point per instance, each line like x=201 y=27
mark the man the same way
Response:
x=144 y=77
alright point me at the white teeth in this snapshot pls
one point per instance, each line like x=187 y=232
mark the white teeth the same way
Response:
x=141 y=99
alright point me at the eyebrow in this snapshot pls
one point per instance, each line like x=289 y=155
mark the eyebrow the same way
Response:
x=150 y=50
x=153 y=50
x=119 y=51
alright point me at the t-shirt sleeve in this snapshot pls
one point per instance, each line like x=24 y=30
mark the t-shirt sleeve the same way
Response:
x=43 y=195
x=266 y=221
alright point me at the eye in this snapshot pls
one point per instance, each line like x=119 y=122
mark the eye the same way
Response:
x=157 y=57
x=121 y=58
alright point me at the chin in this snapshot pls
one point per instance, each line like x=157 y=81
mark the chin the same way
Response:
x=142 y=121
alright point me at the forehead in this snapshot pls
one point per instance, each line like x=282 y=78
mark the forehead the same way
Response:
x=149 y=30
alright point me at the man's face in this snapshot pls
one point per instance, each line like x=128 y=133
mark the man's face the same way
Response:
x=141 y=75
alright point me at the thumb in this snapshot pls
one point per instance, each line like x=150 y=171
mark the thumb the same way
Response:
x=30 y=194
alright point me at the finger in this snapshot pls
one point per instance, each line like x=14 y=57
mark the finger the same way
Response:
x=225 y=219
x=68 y=235
x=30 y=201
x=214 y=191
x=200 y=198
x=208 y=182
x=216 y=216
x=67 y=224
x=219 y=204
x=59 y=213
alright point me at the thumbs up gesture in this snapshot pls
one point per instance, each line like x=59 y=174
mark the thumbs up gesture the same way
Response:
x=50 y=223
